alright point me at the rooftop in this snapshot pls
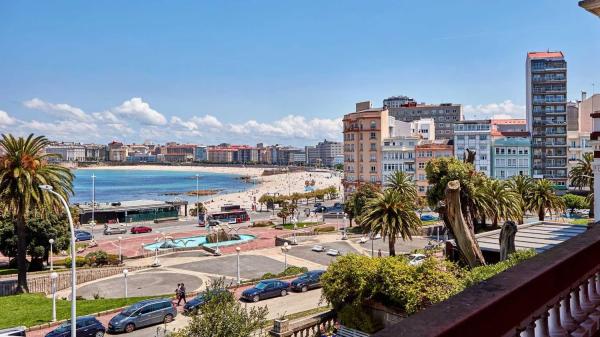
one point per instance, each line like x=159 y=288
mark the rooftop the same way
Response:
x=124 y=205
x=544 y=54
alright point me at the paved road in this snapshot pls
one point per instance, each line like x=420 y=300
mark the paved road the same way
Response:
x=305 y=252
x=251 y=266
x=290 y=304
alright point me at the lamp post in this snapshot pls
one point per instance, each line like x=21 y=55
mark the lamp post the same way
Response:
x=53 y=277
x=238 y=249
x=294 y=222
x=156 y=262
x=49 y=189
x=217 y=251
x=285 y=249
x=344 y=235
x=198 y=197
x=125 y=272
x=51 y=241
x=120 y=255
x=93 y=203
x=372 y=240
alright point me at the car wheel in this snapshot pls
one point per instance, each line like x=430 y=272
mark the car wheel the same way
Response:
x=304 y=289
x=255 y=298
x=129 y=327
x=283 y=292
x=168 y=318
x=99 y=334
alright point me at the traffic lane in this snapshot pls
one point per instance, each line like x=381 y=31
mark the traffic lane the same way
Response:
x=251 y=266
x=290 y=304
x=306 y=252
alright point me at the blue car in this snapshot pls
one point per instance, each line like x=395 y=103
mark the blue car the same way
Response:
x=143 y=313
x=195 y=303
x=428 y=217
x=82 y=235
x=308 y=280
x=266 y=289
x=86 y=326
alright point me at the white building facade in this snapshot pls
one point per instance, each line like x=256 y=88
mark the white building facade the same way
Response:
x=474 y=135
x=398 y=154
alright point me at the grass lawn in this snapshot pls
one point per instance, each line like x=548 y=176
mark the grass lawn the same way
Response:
x=34 y=309
x=8 y=271
x=300 y=225
x=431 y=222
x=581 y=222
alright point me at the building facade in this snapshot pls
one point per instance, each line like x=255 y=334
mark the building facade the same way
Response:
x=474 y=135
x=398 y=154
x=364 y=131
x=117 y=152
x=178 y=153
x=424 y=152
x=445 y=115
x=511 y=156
x=66 y=152
x=546 y=85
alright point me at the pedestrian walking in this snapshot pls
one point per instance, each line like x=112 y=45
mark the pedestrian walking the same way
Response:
x=379 y=253
x=181 y=294
x=177 y=290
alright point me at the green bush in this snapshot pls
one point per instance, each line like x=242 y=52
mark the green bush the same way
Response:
x=356 y=317
x=97 y=258
x=325 y=229
x=268 y=276
x=483 y=273
x=80 y=261
x=293 y=270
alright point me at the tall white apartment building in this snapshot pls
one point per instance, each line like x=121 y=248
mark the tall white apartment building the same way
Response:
x=67 y=151
x=474 y=135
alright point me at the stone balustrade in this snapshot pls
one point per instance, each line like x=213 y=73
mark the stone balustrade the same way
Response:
x=308 y=327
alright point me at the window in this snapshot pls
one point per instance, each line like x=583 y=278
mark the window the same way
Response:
x=471 y=137
x=460 y=137
x=421 y=177
x=373 y=125
x=483 y=137
x=421 y=165
x=373 y=179
x=372 y=135
x=373 y=169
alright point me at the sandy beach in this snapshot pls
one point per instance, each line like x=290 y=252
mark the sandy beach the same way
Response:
x=280 y=183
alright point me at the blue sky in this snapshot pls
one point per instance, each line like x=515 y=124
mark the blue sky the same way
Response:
x=276 y=71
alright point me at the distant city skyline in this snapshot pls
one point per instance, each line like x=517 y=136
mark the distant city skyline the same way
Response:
x=269 y=71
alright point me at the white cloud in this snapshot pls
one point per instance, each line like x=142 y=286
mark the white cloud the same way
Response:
x=60 y=109
x=106 y=116
x=503 y=109
x=6 y=119
x=190 y=125
x=141 y=111
x=291 y=127
x=67 y=128
x=208 y=121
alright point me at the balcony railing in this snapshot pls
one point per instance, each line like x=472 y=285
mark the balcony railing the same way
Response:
x=556 y=293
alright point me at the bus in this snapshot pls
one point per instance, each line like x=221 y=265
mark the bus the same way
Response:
x=233 y=216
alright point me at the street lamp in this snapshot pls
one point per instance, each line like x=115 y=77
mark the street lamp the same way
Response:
x=344 y=235
x=51 y=241
x=217 y=251
x=198 y=197
x=286 y=248
x=156 y=262
x=53 y=277
x=294 y=222
x=237 y=249
x=372 y=240
x=120 y=255
x=49 y=189
x=125 y=272
x=93 y=203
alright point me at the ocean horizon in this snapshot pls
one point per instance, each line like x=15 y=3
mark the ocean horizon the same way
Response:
x=122 y=185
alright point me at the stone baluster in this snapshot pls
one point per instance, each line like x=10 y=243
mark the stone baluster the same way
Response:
x=529 y=330
x=566 y=319
x=586 y=305
x=554 y=322
x=592 y=291
x=541 y=329
x=598 y=282
x=576 y=311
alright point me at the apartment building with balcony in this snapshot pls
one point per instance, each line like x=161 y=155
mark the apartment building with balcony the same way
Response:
x=66 y=151
x=324 y=153
x=364 y=131
x=425 y=151
x=511 y=148
x=407 y=109
x=474 y=135
x=546 y=85
x=117 y=152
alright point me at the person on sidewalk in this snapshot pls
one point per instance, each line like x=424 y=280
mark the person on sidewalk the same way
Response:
x=181 y=294
x=177 y=293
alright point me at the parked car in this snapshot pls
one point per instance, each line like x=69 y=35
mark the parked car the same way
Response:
x=86 y=326
x=10 y=332
x=319 y=209
x=141 y=314
x=266 y=289
x=82 y=235
x=140 y=229
x=416 y=259
x=318 y=248
x=308 y=280
x=333 y=252
x=195 y=303
x=114 y=230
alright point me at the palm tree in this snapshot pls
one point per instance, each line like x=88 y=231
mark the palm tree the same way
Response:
x=23 y=168
x=542 y=197
x=505 y=202
x=521 y=185
x=403 y=183
x=389 y=215
x=582 y=175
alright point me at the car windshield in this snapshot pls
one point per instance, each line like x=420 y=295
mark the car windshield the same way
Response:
x=304 y=277
x=132 y=309
x=64 y=327
x=261 y=286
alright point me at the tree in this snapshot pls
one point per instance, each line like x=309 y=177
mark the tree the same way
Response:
x=389 y=215
x=284 y=212
x=198 y=206
x=506 y=203
x=264 y=199
x=542 y=197
x=223 y=316
x=23 y=168
x=349 y=209
x=404 y=185
x=573 y=202
x=332 y=192
x=521 y=185
x=359 y=199
x=38 y=231
x=582 y=175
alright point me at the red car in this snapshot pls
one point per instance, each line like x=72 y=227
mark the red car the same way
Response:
x=140 y=229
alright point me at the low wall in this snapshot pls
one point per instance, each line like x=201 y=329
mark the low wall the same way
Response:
x=42 y=283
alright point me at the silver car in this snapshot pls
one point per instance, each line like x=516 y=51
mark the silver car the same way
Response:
x=10 y=332
x=141 y=314
x=114 y=230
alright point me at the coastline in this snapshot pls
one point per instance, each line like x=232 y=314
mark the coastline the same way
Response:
x=279 y=183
